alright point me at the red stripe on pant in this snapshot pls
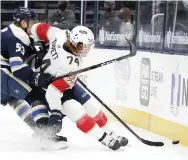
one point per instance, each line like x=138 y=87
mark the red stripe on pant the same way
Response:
x=86 y=123
x=101 y=119
x=61 y=85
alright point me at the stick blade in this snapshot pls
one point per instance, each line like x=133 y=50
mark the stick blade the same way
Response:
x=132 y=48
x=150 y=143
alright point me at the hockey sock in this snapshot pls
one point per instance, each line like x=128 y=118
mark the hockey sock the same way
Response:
x=94 y=110
x=87 y=125
x=23 y=110
x=102 y=122
x=84 y=122
x=40 y=114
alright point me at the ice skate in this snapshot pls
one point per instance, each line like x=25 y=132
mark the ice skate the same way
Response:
x=110 y=142
x=122 y=140
x=53 y=142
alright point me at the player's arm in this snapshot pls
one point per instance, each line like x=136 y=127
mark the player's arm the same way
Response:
x=44 y=31
x=21 y=70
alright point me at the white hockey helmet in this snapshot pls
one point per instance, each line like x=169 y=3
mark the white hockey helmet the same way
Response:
x=82 y=35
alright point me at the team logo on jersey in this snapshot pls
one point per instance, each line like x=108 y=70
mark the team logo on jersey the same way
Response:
x=71 y=80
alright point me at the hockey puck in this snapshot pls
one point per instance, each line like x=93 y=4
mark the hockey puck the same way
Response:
x=175 y=141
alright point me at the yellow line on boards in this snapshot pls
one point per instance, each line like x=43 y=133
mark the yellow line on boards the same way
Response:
x=163 y=127
x=169 y=129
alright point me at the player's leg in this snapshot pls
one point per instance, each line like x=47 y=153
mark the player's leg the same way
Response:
x=49 y=124
x=35 y=98
x=94 y=110
x=5 y=98
x=23 y=110
x=14 y=87
x=76 y=113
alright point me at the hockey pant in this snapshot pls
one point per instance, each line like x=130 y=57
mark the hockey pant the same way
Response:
x=13 y=89
x=77 y=104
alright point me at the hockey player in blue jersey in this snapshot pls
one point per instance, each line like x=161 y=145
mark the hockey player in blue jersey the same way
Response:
x=20 y=82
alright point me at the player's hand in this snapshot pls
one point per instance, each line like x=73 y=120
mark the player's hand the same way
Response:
x=41 y=79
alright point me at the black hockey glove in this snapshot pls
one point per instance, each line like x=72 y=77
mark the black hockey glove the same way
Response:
x=41 y=79
x=40 y=55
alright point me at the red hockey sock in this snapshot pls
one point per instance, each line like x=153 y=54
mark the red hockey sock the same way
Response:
x=86 y=123
x=101 y=119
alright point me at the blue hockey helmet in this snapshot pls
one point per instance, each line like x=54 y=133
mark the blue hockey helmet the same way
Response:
x=23 y=13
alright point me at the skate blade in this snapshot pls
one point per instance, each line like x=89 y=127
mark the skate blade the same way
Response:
x=122 y=148
x=50 y=145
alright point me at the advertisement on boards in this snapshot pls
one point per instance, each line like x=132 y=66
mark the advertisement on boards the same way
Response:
x=145 y=71
x=150 y=81
x=179 y=91
x=83 y=78
x=107 y=37
x=122 y=71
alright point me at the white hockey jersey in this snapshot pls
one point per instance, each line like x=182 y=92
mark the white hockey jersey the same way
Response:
x=58 y=61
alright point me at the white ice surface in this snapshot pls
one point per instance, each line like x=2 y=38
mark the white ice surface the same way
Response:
x=16 y=142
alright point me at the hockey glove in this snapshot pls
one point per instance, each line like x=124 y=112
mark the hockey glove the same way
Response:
x=41 y=79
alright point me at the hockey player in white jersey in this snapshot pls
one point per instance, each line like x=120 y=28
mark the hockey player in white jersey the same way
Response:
x=65 y=53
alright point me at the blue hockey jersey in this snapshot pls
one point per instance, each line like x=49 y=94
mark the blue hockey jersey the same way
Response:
x=14 y=44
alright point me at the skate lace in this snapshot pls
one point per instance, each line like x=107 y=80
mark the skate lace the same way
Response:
x=116 y=137
x=108 y=141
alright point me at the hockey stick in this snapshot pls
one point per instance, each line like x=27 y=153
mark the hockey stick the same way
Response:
x=131 y=54
x=147 y=142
